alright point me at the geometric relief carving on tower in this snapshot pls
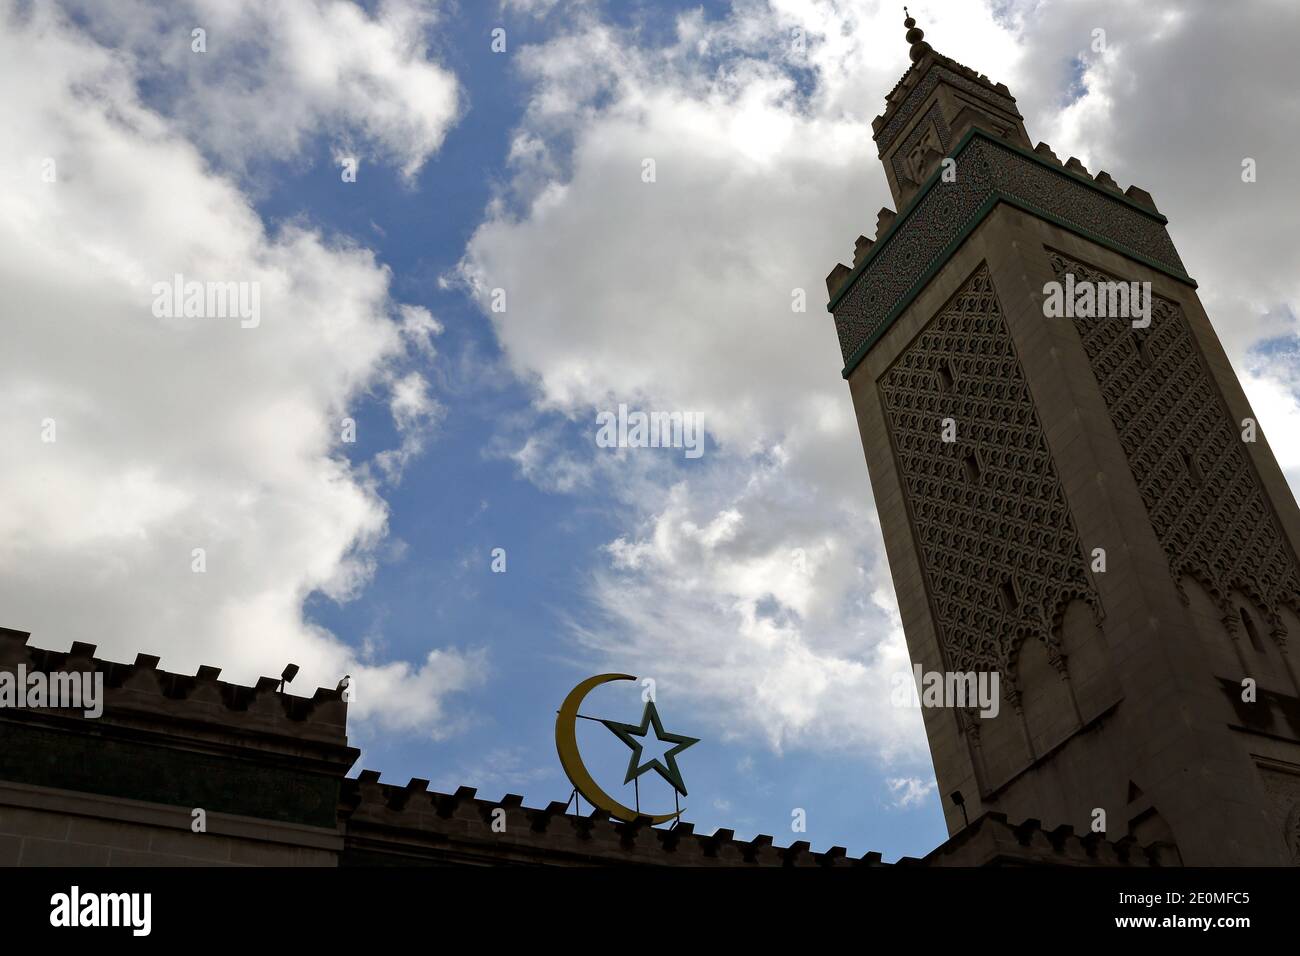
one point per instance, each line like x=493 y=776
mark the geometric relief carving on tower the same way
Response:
x=988 y=171
x=929 y=141
x=999 y=549
x=1200 y=489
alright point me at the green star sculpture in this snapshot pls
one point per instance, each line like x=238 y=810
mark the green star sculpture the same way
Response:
x=626 y=733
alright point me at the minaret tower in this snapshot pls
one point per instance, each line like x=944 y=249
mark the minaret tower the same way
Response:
x=1074 y=492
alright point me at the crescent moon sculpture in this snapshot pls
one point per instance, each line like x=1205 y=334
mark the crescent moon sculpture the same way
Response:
x=566 y=744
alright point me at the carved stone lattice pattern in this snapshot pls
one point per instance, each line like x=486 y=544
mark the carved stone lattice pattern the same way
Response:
x=1000 y=551
x=1199 y=486
x=986 y=169
x=912 y=102
x=933 y=120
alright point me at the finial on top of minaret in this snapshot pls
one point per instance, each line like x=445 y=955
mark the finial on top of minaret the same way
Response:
x=916 y=37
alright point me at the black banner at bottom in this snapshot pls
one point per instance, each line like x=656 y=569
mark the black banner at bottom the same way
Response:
x=369 y=906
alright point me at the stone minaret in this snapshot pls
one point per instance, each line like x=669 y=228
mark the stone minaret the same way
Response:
x=1108 y=530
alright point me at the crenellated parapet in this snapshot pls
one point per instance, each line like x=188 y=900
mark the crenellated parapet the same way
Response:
x=891 y=270
x=142 y=691
x=992 y=840
x=269 y=771
x=191 y=741
x=410 y=824
x=1103 y=178
x=391 y=824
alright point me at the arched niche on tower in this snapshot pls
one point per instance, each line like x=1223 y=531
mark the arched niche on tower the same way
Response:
x=1088 y=659
x=1254 y=632
x=999 y=742
x=1225 y=658
x=1049 y=710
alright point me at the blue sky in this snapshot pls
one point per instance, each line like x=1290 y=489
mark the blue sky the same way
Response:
x=750 y=583
x=459 y=500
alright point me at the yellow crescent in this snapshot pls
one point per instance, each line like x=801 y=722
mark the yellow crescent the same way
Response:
x=566 y=744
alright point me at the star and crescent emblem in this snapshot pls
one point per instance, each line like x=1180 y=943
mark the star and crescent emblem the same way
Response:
x=634 y=735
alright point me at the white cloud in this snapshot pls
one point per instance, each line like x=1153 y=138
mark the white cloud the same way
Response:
x=536 y=8
x=736 y=588
x=415 y=414
x=177 y=434
x=909 y=791
x=1273 y=397
x=399 y=696
x=275 y=74
x=676 y=295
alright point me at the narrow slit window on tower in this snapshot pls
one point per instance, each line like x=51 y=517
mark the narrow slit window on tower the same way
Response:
x=1142 y=345
x=1193 y=469
x=972 y=464
x=1007 y=591
x=1252 y=632
x=946 y=380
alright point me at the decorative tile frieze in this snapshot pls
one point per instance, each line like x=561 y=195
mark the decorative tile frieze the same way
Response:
x=987 y=171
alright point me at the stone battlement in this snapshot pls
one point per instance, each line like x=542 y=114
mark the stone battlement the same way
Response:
x=410 y=823
x=1103 y=178
x=141 y=689
x=991 y=840
x=886 y=217
x=388 y=823
x=268 y=771
x=890 y=270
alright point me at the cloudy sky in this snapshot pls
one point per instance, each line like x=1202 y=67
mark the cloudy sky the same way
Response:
x=750 y=582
